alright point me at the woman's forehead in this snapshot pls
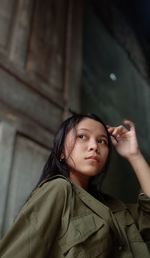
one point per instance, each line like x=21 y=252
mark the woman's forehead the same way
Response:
x=91 y=125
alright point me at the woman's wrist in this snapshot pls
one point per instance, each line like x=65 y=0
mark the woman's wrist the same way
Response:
x=134 y=157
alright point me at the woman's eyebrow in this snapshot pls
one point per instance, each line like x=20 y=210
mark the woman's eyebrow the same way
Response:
x=85 y=129
x=103 y=135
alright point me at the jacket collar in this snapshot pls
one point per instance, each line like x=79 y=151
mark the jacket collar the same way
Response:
x=104 y=205
x=97 y=206
x=101 y=206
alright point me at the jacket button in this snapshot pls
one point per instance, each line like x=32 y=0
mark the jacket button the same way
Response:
x=120 y=247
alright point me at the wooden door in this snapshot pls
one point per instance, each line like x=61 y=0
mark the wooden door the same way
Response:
x=40 y=72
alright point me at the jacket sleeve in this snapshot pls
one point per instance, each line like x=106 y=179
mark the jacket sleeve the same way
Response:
x=38 y=223
x=141 y=214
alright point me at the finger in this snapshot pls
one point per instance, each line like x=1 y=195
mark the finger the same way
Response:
x=130 y=124
x=113 y=140
x=110 y=129
x=119 y=130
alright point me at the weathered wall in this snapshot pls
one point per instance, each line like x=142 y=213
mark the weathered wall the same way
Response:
x=114 y=89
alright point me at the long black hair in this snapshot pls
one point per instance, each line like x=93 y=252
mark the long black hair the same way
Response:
x=55 y=165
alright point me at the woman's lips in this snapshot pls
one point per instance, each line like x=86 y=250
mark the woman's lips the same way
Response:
x=96 y=158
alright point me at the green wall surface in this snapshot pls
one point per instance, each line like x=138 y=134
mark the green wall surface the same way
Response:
x=114 y=90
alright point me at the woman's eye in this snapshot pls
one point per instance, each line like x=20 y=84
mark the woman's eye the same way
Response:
x=82 y=136
x=102 y=141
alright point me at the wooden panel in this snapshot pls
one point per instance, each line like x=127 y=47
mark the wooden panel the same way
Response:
x=46 y=53
x=20 y=32
x=50 y=48
x=25 y=100
x=6 y=13
x=73 y=69
x=7 y=134
x=25 y=125
x=28 y=160
x=42 y=88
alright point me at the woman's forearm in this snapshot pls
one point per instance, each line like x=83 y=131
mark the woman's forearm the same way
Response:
x=142 y=171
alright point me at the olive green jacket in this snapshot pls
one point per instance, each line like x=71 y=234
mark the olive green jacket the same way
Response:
x=61 y=219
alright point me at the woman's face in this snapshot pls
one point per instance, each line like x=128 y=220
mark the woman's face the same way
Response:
x=86 y=151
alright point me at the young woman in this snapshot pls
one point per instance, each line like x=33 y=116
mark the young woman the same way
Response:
x=67 y=215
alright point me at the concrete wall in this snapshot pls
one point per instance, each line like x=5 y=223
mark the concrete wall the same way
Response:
x=114 y=89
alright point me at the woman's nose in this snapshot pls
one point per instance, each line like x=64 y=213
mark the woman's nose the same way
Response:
x=93 y=145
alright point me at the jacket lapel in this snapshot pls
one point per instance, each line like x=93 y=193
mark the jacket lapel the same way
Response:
x=96 y=206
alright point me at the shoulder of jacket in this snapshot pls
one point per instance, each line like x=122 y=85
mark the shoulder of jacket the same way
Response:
x=57 y=186
x=56 y=179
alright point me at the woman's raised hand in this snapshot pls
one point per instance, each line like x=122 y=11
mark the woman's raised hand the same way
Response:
x=124 y=139
x=125 y=142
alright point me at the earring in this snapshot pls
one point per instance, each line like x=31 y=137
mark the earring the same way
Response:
x=62 y=156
